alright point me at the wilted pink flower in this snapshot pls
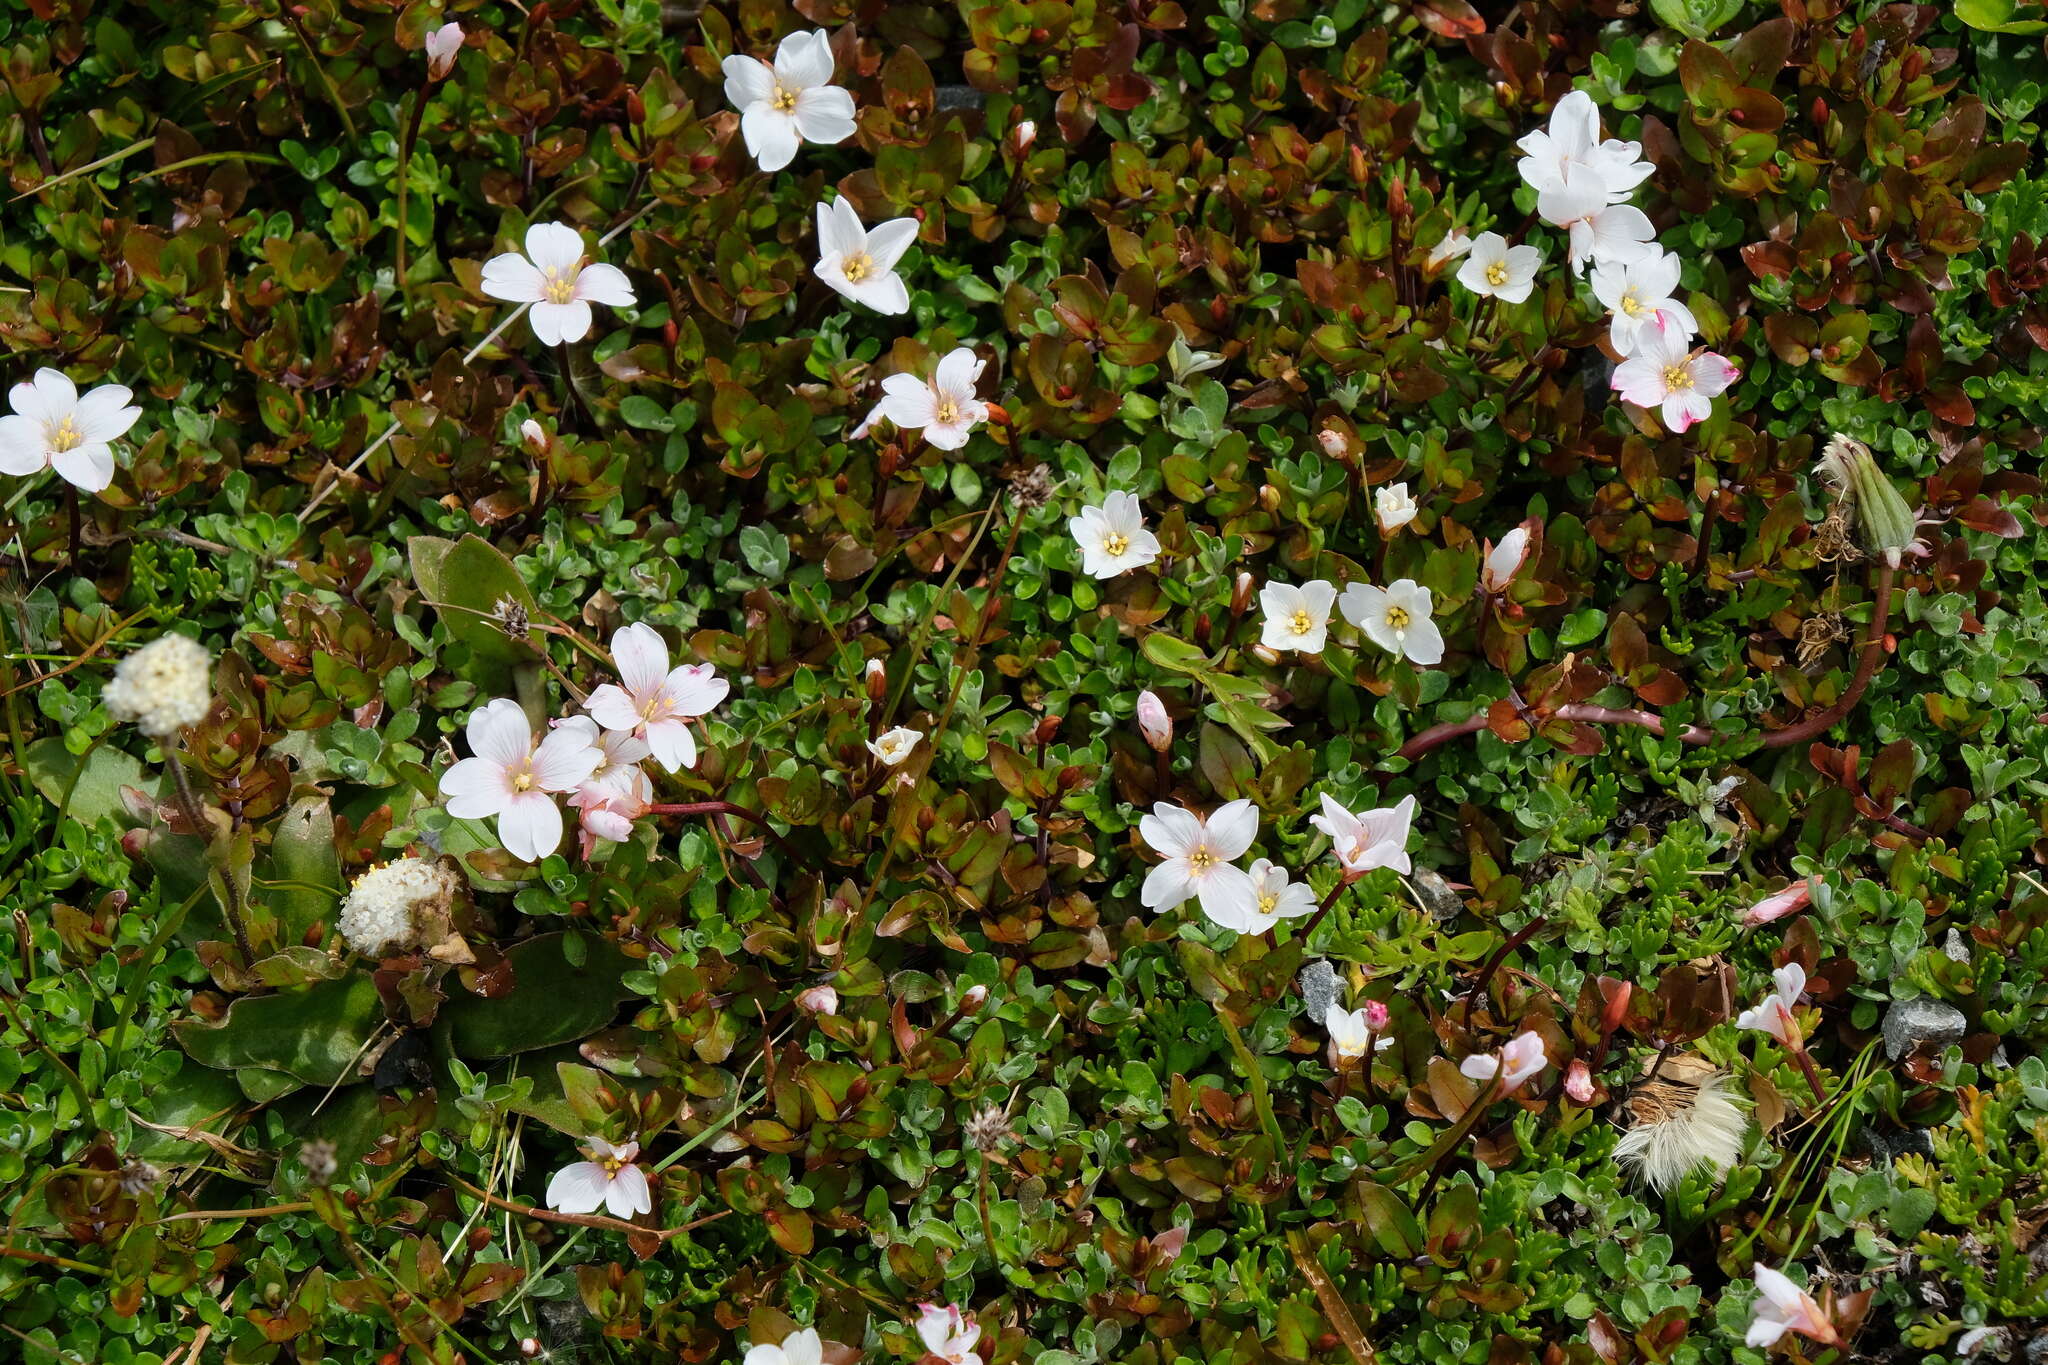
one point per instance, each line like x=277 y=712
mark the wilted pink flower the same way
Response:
x=1332 y=441
x=819 y=1000
x=1153 y=722
x=1578 y=1082
x=1774 y=1016
x=1779 y=904
x=1517 y=1062
x=444 y=45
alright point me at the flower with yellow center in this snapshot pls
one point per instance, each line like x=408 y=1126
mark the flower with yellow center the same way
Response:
x=1199 y=856
x=1397 y=618
x=611 y=1181
x=791 y=102
x=558 y=281
x=1112 y=537
x=54 y=427
x=1296 y=618
x=945 y=409
x=1495 y=269
x=513 y=777
x=860 y=262
x=1640 y=293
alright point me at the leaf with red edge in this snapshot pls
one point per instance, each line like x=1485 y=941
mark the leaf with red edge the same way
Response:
x=1450 y=18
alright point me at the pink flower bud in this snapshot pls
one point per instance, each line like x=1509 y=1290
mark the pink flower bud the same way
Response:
x=819 y=1000
x=1022 y=136
x=1780 y=904
x=1376 y=1016
x=1578 y=1082
x=444 y=45
x=972 y=999
x=1153 y=722
x=1333 y=442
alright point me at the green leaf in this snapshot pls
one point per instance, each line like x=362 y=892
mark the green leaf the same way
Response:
x=87 y=788
x=465 y=581
x=1695 y=18
x=1996 y=16
x=303 y=882
x=551 y=1000
x=315 y=1035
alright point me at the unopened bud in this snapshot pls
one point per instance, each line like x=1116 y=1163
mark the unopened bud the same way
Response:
x=819 y=1000
x=1578 y=1082
x=1022 y=136
x=972 y=999
x=1047 y=728
x=1376 y=1016
x=1333 y=442
x=1153 y=722
x=535 y=435
x=877 y=682
x=1241 y=595
x=1882 y=515
x=1071 y=777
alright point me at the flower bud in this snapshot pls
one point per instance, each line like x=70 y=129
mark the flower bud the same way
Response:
x=1022 y=136
x=444 y=45
x=1578 y=1082
x=819 y=1000
x=535 y=435
x=1333 y=442
x=1376 y=1016
x=1885 y=519
x=1153 y=722
x=972 y=999
x=877 y=682
x=1241 y=594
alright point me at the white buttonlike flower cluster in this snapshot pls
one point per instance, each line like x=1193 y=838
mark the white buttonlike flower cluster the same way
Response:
x=162 y=687
x=398 y=905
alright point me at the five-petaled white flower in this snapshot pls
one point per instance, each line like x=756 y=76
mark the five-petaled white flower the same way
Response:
x=1774 y=1016
x=860 y=262
x=1504 y=561
x=1522 y=1058
x=1396 y=618
x=512 y=777
x=1781 y=1307
x=1393 y=507
x=1113 y=537
x=1639 y=294
x=1274 y=898
x=444 y=45
x=1494 y=268
x=790 y=103
x=652 y=700
x=893 y=746
x=1572 y=141
x=1352 y=1034
x=802 y=1347
x=948 y=1334
x=1368 y=839
x=1663 y=373
x=943 y=408
x=611 y=1181
x=1601 y=232
x=558 y=281
x=1296 y=618
x=53 y=427
x=1200 y=856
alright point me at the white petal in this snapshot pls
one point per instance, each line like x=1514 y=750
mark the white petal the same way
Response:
x=675 y=748
x=554 y=246
x=103 y=414
x=610 y=707
x=695 y=689
x=1233 y=827
x=885 y=293
x=1166 y=886
x=888 y=241
x=90 y=467
x=627 y=1195
x=803 y=60
x=825 y=115
x=498 y=731
x=513 y=278
x=58 y=394
x=555 y=323
x=601 y=283
x=565 y=759
x=23 y=449
x=1424 y=643
x=1170 y=831
x=1227 y=894
x=770 y=135
x=748 y=82
x=474 y=789
x=641 y=656
x=530 y=826
x=577 y=1188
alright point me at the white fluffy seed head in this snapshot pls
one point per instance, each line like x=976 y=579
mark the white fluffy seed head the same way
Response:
x=1674 y=1136
x=398 y=905
x=163 y=687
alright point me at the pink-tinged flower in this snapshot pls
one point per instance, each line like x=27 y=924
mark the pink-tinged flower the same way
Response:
x=653 y=701
x=1774 y=1016
x=819 y=1000
x=1153 y=722
x=1369 y=839
x=617 y=792
x=611 y=1181
x=53 y=427
x=1376 y=1015
x=1662 y=373
x=944 y=409
x=1781 y=1307
x=1022 y=136
x=511 y=776
x=1353 y=1034
x=790 y=103
x=803 y=1347
x=1504 y=561
x=1572 y=141
x=1522 y=1058
x=948 y=1334
x=1274 y=898
x=1199 y=855
x=860 y=262
x=1333 y=443
x=444 y=45
x=1601 y=232
x=556 y=279
x=1779 y=904
x=1640 y=295
x=1498 y=270
x=1578 y=1082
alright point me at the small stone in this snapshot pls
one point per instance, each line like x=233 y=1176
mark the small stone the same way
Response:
x=1435 y=894
x=1956 y=947
x=1318 y=985
x=1909 y=1024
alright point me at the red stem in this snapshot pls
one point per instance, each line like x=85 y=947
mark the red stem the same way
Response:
x=1866 y=669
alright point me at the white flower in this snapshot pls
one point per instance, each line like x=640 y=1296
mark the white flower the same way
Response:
x=617 y=792
x=1782 y=1307
x=1333 y=443
x=1573 y=140
x=535 y=435
x=1393 y=507
x=1506 y=272
x=383 y=911
x=1601 y=232
x=1351 y=1035
x=944 y=408
x=163 y=687
x=611 y=1181
x=1662 y=373
x=861 y=263
x=653 y=701
x=1274 y=898
x=1153 y=722
x=1639 y=294
x=790 y=103
x=948 y=1334
x=1774 y=1016
x=444 y=44
x=52 y=427
x=1522 y=1058
x=511 y=776
x=1456 y=243
x=1199 y=855
x=554 y=277
x=893 y=746
x=798 y=1348
x=1707 y=1132
x=1296 y=618
x=1396 y=618
x=1113 y=537
x=1504 y=561
x=1369 y=839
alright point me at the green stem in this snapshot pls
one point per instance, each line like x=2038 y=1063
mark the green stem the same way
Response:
x=1262 y=1098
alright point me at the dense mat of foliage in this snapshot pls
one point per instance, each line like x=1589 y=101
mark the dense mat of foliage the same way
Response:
x=886 y=1015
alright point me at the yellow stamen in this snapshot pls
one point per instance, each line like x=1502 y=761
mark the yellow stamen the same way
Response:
x=785 y=100
x=1677 y=377
x=1266 y=902
x=1115 y=543
x=948 y=412
x=66 y=435
x=1497 y=274
x=1299 y=623
x=523 y=781
x=560 y=286
x=1201 y=860
x=1629 y=305
x=856 y=268
x=1398 y=617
